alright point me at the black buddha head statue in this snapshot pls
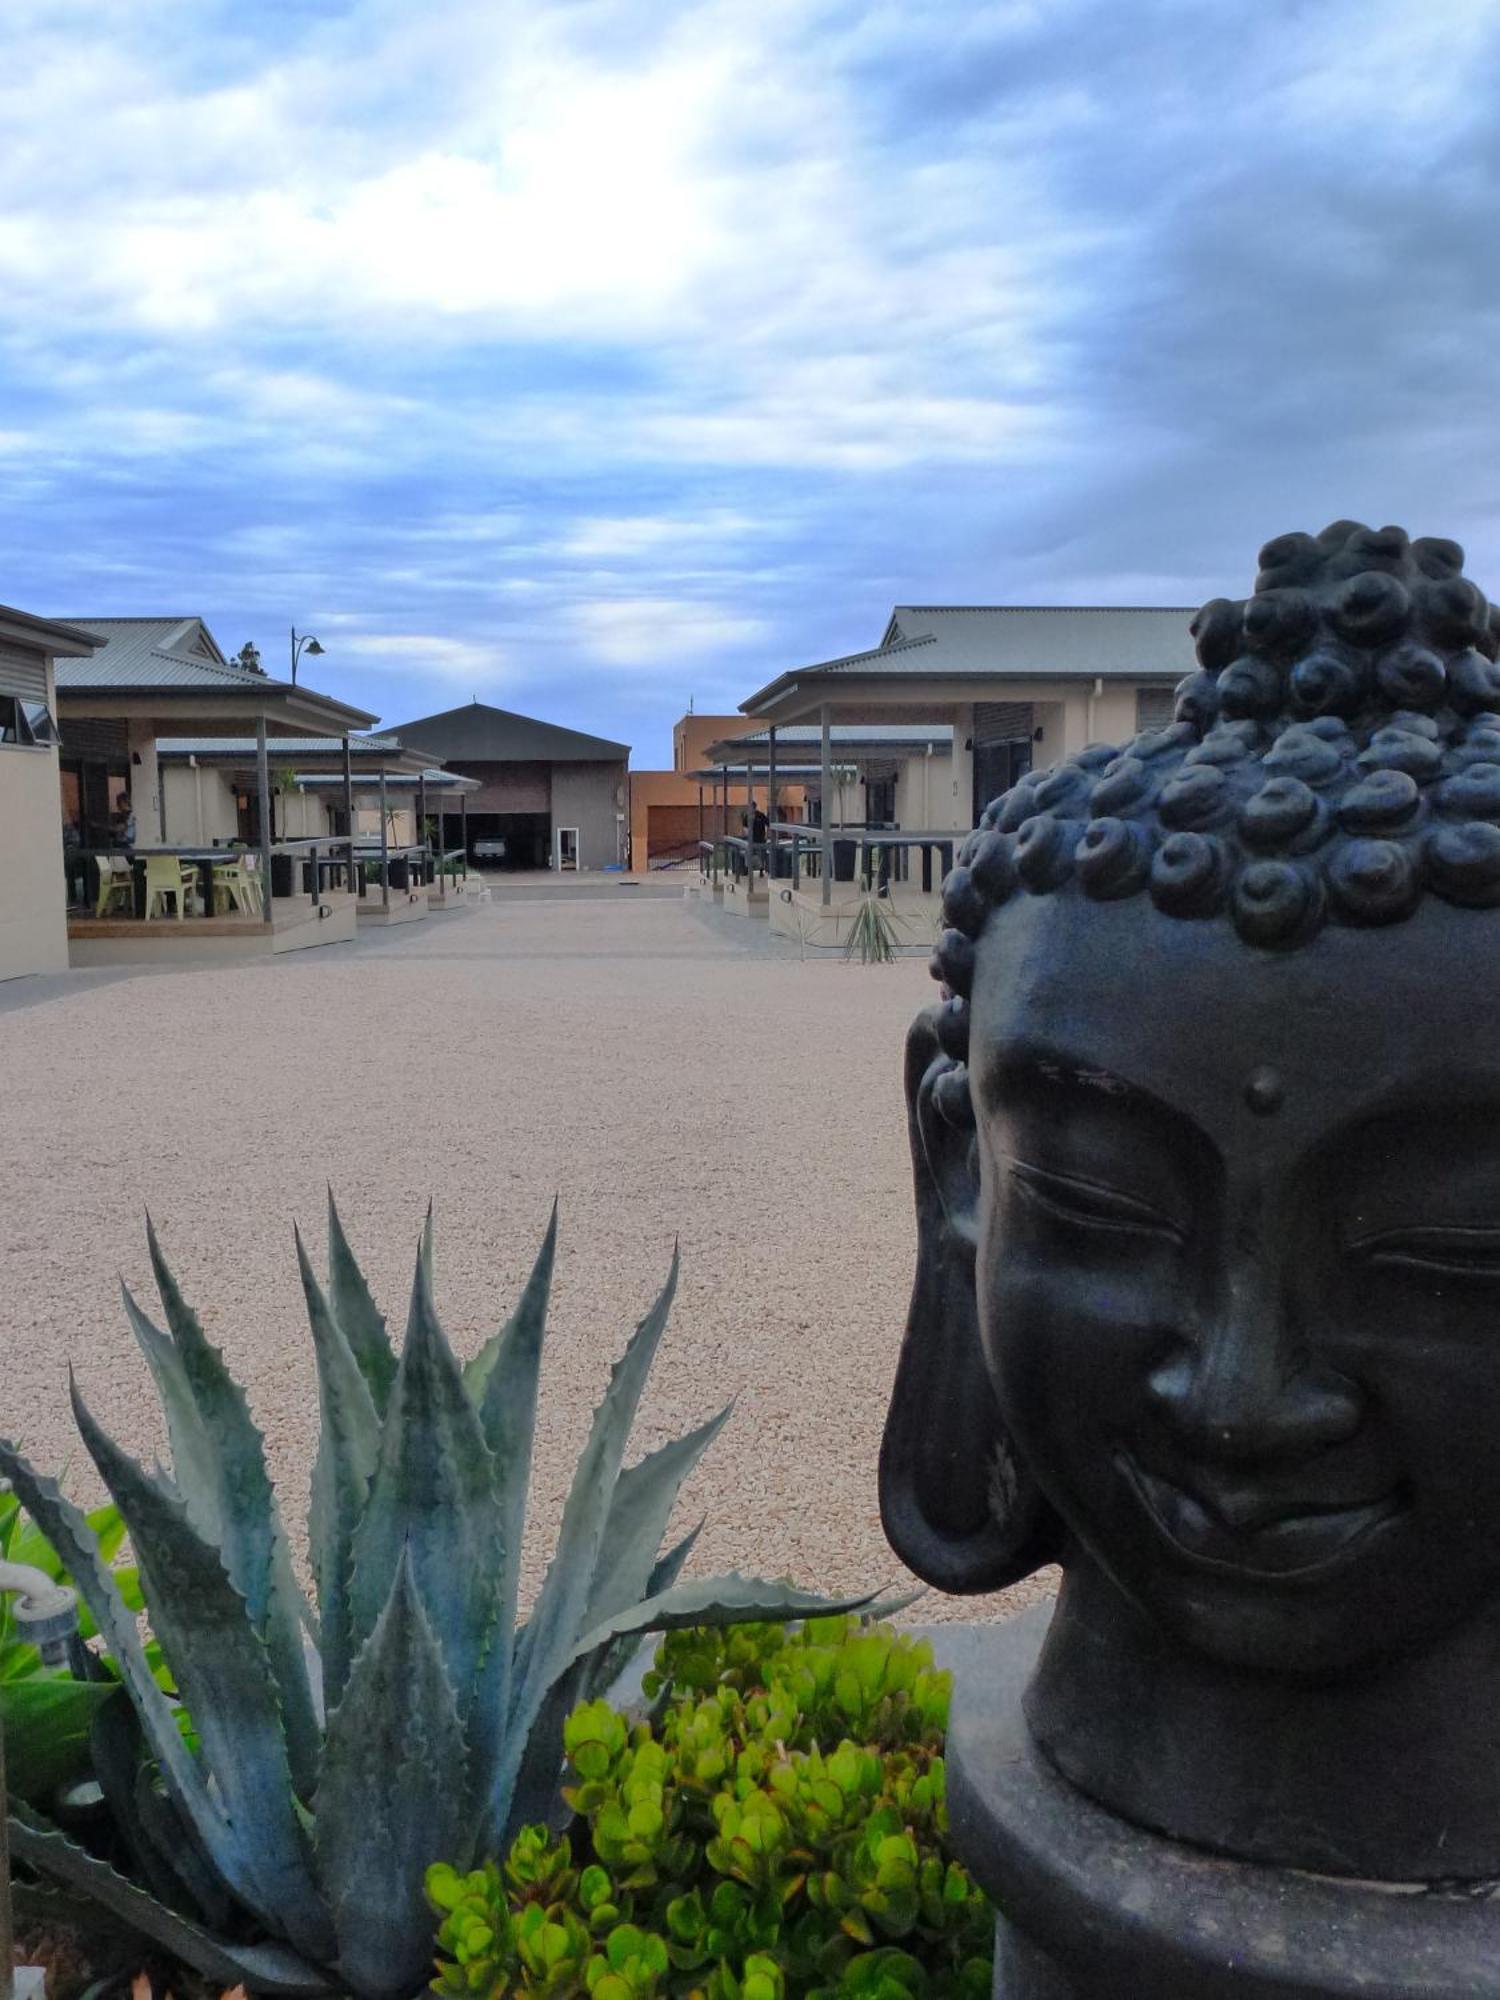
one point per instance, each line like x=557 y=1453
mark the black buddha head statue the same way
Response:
x=1206 y=1134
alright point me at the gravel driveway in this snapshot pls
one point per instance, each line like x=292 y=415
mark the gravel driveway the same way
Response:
x=667 y=1070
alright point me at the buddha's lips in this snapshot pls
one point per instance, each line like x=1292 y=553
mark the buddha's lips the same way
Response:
x=1251 y=1530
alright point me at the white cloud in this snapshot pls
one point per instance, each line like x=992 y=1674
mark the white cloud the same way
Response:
x=428 y=656
x=650 y=631
x=630 y=536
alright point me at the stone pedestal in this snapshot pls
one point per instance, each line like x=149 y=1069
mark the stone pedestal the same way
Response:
x=1097 y=1909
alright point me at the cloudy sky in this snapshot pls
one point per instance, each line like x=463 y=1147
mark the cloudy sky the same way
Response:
x=588 y=355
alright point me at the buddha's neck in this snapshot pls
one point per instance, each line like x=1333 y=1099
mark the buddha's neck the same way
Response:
x=1392 y=1775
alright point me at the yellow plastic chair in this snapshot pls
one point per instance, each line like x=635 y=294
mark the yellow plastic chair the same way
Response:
x=116 y=884
x=235 y=885
x=166 y=876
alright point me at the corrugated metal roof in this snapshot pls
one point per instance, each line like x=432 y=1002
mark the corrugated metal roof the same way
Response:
x=442 y=781
x=1014 y=642
x=1042 y=639
x=278 y=746
x=875 y=659
x=476 y=733
x=892 y=733
x=153 y=652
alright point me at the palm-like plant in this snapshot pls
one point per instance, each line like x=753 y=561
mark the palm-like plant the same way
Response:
x=339 y=1752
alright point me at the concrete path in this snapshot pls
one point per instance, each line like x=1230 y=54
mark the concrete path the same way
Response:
x=668 y=1071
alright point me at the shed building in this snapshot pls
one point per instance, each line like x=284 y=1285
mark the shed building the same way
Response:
x=548 y=797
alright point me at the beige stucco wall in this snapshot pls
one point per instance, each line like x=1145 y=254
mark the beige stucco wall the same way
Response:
x=33 y=895
x=145 y=778
x=201 y=809
x=403 y=824
x=302 y=816
x=1114 y=715
x=200 y=806
x=924 y=791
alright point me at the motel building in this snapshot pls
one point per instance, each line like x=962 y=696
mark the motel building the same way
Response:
x=896 y=751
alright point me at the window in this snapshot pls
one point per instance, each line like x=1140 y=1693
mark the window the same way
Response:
x=1154 y=706
x=26 y=722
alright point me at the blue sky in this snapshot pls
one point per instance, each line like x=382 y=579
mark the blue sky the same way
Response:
x=588 y=356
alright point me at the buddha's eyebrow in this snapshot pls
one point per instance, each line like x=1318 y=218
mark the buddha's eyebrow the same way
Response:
x=1089 y=1079
x=1036 y=1064
x=1043 y=1062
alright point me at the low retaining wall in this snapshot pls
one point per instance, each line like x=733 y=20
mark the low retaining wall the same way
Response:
x=407 y=906
x=296 y=925
x=803 y=915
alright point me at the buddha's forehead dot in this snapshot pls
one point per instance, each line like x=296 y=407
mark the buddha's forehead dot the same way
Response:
x=1265 y=1090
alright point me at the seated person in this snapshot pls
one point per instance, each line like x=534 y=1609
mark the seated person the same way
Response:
x=122 y=821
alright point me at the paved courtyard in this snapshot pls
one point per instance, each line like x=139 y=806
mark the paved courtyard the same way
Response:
x=667 y=1070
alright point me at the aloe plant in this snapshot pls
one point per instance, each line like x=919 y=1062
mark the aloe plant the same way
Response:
x=337 y=1750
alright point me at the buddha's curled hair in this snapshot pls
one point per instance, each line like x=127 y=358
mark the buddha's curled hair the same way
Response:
x=1335 y=757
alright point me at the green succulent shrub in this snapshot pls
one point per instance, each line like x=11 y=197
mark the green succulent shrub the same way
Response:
x=778 y=1828
x=339 y=1748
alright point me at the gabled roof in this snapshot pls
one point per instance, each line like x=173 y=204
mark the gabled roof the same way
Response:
x=871 y=740
x=1040 y=639
x=999 y=642
x=177 y=661
x=897 y=735
x=154 y=652
x=476 y=733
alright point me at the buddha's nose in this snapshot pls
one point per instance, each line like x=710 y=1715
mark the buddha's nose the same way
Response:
x=1242 y=1386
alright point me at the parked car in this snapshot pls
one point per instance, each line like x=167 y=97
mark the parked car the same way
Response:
x=489 y=850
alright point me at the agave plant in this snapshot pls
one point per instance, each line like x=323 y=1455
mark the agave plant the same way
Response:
x=335 y=1752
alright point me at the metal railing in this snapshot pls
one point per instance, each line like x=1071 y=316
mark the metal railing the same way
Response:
x=299 y=868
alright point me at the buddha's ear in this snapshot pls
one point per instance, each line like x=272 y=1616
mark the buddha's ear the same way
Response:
x=957 y=1505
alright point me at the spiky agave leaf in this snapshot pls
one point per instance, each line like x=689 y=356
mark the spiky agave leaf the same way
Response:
x=639 y=1511
x=395 y=1797
x=163 y=1847
x=348 y=1452
x=548 y=1643
x=628 y=1569
x=718 y=1600
x=192 y=1452
x=249 y=1532
x=519 y=1341
x=223 y=1668
x=267 y=1968
x=502 y=1382
x=433 y=1495
x=357 y=1313
x=537 y=1795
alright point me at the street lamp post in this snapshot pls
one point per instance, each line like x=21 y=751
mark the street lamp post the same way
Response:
x=306 y=644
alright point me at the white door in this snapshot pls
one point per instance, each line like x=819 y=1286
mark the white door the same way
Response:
x=567 y=847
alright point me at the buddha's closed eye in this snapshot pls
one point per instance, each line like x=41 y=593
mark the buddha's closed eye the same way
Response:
x=1446 y=1250
x=1093 y=1204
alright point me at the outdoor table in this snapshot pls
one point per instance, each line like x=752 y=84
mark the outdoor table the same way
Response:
x=204 y=859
